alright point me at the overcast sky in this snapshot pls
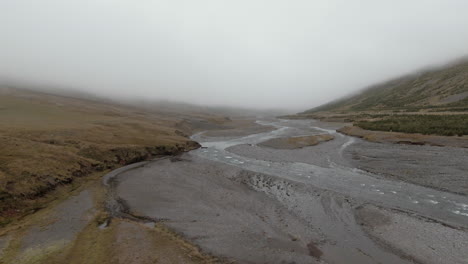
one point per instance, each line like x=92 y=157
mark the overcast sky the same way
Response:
x=254 y=53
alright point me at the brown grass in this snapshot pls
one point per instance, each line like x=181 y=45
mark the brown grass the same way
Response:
x=47 y=141
x=296 y=142
x=404 y=138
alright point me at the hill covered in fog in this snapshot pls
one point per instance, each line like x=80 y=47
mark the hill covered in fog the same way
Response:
x=438 y=89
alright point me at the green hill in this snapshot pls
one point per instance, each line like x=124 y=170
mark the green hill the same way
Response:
x=433 y=102
x=440 y=89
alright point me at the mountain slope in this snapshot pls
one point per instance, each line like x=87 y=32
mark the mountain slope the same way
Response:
x=444 y=88
x=48 y=141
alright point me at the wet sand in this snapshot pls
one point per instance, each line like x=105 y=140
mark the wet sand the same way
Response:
x=50 y=232
x=252 y=204
x=418 y=239
x=441 y=168
x=211 y=206
x=248 y=217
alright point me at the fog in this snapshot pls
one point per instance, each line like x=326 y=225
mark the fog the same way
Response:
x=262 y=54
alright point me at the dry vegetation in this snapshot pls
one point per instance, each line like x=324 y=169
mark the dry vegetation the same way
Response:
x=124 y=241
x=404 y=138
x=446 y=125
x=239 y=128
x=296 y=142
x=48 y=141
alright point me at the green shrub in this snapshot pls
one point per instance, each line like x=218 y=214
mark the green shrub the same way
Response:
x=446 y=125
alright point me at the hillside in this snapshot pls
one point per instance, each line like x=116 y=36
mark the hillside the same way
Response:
x=431 y=102
x=48 y=141
x=439 y=89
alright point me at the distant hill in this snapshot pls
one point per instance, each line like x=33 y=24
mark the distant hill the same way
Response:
x=438 y=89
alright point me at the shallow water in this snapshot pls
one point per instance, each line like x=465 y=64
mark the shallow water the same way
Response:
x=255 y=204
x=336 y=174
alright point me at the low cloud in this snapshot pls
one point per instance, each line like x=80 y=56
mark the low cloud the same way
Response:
x=262 y=54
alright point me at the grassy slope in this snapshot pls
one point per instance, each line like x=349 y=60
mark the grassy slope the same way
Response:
x=431 y=102
x=47 y=141
x=447 y=125
x=444 y=88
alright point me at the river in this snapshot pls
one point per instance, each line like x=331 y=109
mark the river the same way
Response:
x=256 y=204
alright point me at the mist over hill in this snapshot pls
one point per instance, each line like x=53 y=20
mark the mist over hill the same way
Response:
x=438 y=88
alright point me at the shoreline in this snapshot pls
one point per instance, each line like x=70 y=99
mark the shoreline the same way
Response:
x=190 y=198
x=404 y=138
x=93 y=221
x=43 y=199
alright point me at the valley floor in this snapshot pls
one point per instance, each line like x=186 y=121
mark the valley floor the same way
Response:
x=345 y=200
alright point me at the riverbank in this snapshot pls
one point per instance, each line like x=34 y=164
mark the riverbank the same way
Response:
x=50 y=142
x=286 y=205
x=244 y=203
x=50 y=220
x=415 y=128
x=79 y=229
x=295 y=142
x=405 y=138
